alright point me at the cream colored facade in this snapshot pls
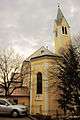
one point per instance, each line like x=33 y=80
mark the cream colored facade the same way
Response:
x=45 y=103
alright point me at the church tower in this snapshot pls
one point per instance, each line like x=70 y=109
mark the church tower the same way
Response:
x=61 y=33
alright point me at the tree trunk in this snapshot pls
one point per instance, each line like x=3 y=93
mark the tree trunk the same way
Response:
x=6 y=94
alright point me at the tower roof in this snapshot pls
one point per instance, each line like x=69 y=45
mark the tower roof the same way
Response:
x=60 y=16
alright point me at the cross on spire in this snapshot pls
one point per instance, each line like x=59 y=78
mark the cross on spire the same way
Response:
x=58 y=3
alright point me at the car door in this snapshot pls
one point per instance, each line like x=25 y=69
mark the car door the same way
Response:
x=4 y=107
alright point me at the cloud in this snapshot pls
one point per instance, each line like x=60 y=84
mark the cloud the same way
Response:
x=26 y=25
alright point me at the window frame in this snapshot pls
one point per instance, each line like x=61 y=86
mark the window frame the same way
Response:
x=39 y=83
x=63 y=32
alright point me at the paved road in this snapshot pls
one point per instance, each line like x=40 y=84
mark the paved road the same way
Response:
x=8 y=118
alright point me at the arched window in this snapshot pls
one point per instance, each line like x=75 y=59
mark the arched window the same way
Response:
x=65 y=30
x=39 y=83
x=62 y=29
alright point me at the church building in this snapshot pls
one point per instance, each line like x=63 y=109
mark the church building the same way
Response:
x=44 y=92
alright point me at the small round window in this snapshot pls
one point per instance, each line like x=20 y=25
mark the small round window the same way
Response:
x=42 y=51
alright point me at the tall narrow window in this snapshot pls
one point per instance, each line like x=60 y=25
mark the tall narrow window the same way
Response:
x=56 y=34
x=65 y=30
x=39 y=83
x=62 y=30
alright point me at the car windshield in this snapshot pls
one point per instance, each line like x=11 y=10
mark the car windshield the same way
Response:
x=12 y=102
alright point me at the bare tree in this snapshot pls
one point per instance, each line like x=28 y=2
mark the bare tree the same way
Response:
x=10 y=76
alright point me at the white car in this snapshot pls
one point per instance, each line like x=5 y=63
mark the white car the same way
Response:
x=9 y=108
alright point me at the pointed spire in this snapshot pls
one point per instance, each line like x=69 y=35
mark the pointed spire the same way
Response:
x=59 y=14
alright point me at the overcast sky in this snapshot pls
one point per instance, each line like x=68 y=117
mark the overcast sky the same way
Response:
x=26 y=25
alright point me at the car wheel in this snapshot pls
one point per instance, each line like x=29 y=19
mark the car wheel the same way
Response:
x=15 y=113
